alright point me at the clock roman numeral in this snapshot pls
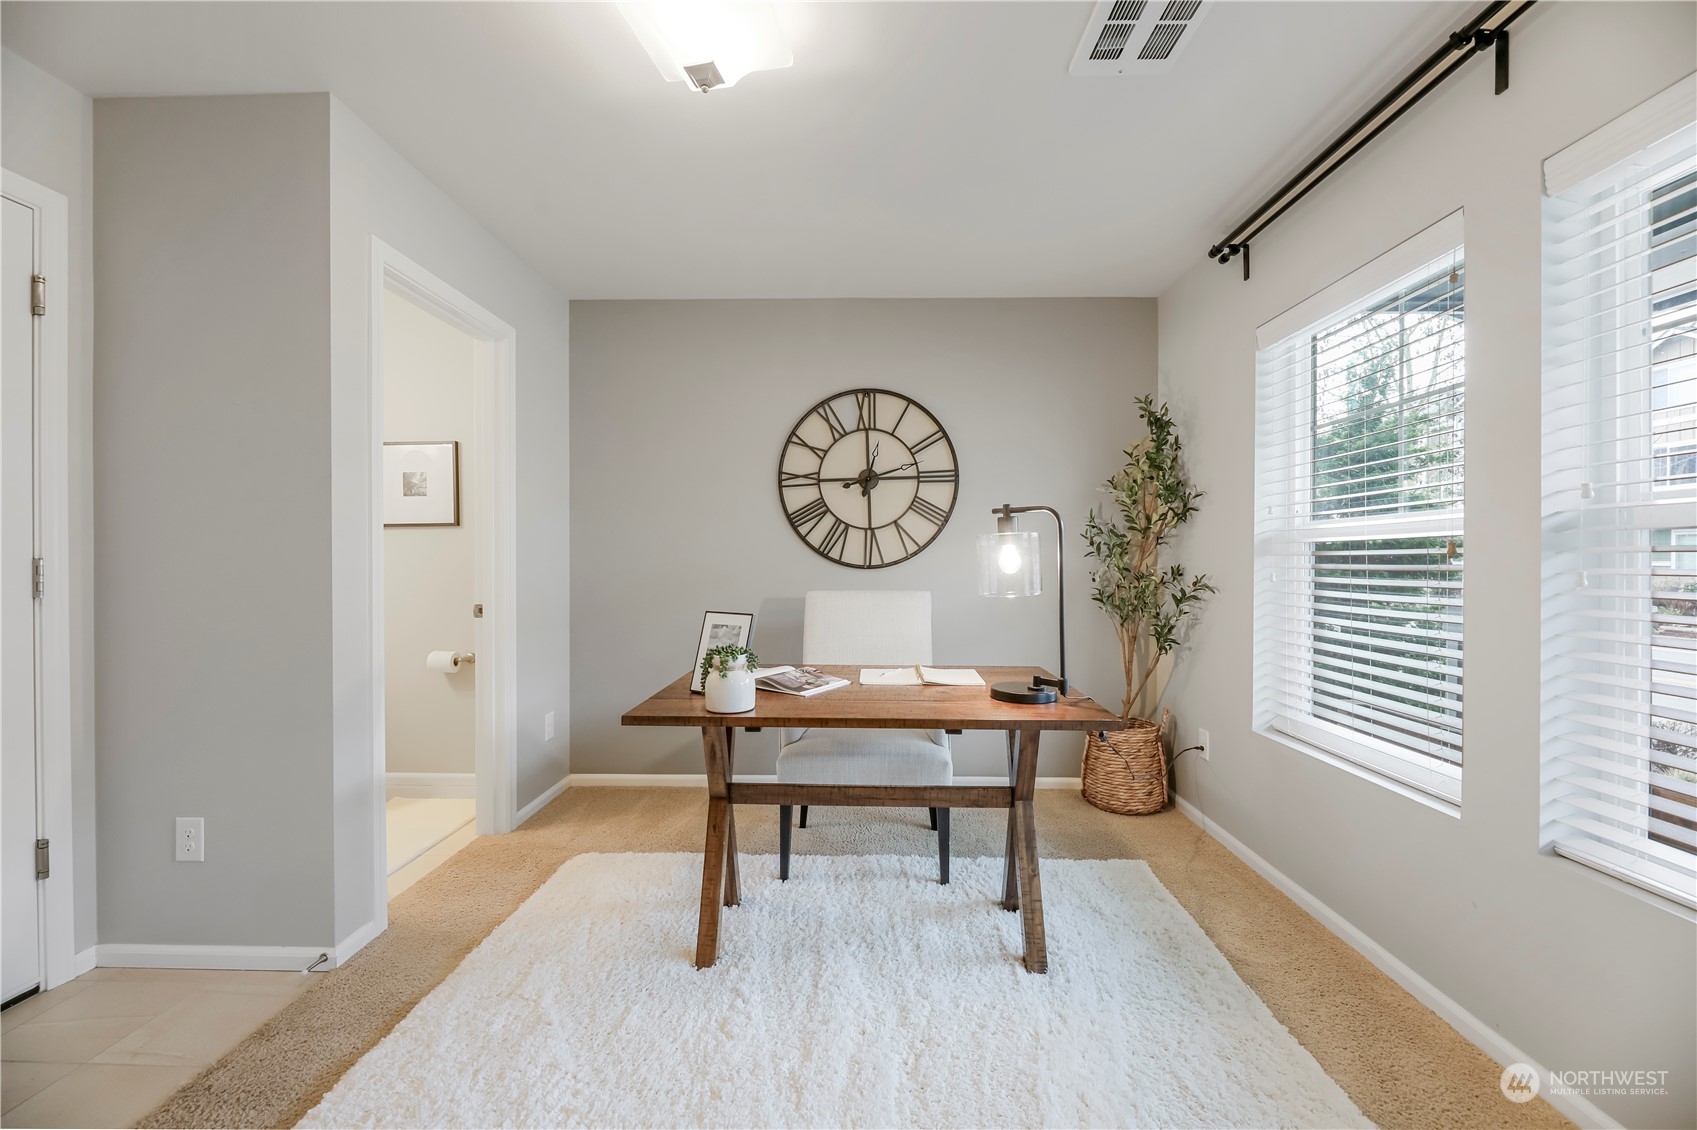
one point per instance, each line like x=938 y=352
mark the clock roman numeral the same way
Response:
x=836 y=539
x=799 y=442
x=906 y=404
x=807 y=518
x=916 y=448
x=871 y=548
x=865 y=410
x=930 y=511
x=909 y=543
x=828 y=413
x=798 y=478
x=943 y=476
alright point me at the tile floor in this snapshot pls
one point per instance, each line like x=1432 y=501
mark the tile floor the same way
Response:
x=108 y=1047
x=422 y=832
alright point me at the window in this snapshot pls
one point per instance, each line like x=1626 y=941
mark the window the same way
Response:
x=1360 y=397
x=1619 y=671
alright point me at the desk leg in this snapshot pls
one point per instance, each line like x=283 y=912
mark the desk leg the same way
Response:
x=1010 y=865
x=733 y=876
x=1031 y=887
x=714 y=746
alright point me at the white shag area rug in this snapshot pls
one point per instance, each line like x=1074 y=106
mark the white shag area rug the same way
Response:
x=859 y=993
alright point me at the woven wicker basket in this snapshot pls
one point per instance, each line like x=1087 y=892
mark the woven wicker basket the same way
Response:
x=1125 y=771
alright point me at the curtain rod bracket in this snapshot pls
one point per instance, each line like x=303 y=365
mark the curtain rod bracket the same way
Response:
x=1225 y=252
x=1482 y=39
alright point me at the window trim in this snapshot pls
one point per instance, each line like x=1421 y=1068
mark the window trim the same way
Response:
x=1590 y=766
x=1437 y=779
x=1423 y=776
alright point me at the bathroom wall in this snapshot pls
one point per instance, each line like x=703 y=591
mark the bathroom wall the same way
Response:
x=427 y=570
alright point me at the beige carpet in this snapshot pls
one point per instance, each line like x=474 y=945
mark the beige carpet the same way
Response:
x=1395 y=1059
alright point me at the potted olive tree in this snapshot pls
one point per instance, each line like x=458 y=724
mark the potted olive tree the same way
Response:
x=1126 y=771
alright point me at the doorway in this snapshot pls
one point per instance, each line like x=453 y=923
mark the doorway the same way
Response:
x=443 y=574
x=431 y=524
x=37 y=949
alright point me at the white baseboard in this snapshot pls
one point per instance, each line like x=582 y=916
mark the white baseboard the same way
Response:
x=699 y=781
x=85 y=960
x=1480 y=1034
x=352 y=944
x=121 y=956
x=548 y=794
x=456 y=786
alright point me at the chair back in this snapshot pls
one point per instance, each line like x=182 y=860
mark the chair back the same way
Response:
x=867 y=629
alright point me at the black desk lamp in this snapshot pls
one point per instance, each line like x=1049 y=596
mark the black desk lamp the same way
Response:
x=1008 y=566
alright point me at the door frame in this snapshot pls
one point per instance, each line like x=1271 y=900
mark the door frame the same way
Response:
x=494 y=551
x=54 y=808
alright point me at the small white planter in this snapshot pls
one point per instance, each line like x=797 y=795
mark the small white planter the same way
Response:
x=731 y=692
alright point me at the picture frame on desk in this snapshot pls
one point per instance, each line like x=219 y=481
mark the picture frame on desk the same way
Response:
x=719 y=629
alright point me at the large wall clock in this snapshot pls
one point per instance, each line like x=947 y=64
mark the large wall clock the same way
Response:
x=868 y=478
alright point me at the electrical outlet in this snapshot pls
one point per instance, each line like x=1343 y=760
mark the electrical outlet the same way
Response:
x=548 y=726
x=1202 y=740
x=191 y=839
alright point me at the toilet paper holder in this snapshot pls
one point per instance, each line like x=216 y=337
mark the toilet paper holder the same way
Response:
x=448 y=662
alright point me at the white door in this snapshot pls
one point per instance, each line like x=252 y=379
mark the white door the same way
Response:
x=20 y=962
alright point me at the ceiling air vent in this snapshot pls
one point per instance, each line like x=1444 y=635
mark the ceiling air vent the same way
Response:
x=1136 y=37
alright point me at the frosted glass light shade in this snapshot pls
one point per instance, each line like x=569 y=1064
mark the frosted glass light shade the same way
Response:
x=735 y=37
x=1008 y=564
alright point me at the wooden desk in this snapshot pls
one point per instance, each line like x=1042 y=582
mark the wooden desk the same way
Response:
x=862 y=708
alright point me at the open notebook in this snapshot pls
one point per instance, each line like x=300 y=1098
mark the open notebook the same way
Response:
x=915 y=676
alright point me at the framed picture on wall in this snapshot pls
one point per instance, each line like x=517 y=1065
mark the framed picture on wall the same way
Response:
x=717 y=630
x=421 y=484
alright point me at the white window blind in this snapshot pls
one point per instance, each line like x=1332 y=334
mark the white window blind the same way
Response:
x=1359 y=501
x=1619 y=664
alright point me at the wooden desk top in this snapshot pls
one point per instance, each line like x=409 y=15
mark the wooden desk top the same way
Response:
x=882 y=708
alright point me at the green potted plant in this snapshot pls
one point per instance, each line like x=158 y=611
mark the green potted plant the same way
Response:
x=727 y=675
x=1126 y=771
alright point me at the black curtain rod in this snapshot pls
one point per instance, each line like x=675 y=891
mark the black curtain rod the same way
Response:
x=1475 y=36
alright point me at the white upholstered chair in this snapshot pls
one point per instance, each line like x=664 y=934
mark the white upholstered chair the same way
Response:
x=865 y=629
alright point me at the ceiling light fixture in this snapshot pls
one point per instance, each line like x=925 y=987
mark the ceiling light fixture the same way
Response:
x=709 y=43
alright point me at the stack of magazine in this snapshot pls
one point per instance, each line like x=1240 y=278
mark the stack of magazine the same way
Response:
x=803 y=681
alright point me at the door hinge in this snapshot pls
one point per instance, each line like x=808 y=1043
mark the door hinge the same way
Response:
x=41 y=860
x=39 y=578
x=38 y=295
x=477 y=612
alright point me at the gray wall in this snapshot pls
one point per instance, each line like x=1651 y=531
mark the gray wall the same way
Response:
x=212 y=420
x=1578 y=971
x=679 y=410
x=375 y=193
x=47 y=135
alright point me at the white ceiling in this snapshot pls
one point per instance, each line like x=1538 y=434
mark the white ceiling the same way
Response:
x=914 y=149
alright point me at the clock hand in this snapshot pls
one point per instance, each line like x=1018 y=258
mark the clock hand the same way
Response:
x=871 y=476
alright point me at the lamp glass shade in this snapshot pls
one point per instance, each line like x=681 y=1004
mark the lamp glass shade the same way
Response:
x=1009 y=564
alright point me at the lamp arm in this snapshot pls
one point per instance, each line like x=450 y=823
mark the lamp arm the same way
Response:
x=1007 y=512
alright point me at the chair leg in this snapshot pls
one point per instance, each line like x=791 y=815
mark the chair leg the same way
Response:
x=784 y=813
x=933 y=813
x=942 y=844
x=804 y=816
